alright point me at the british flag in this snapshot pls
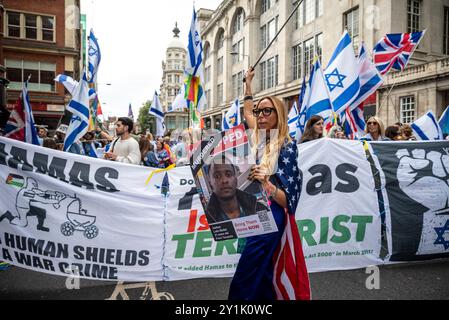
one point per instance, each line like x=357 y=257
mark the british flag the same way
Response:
x=15 y=127
x=394 y=50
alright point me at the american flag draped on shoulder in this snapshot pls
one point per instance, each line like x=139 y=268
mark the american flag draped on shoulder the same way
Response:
x=395 y=50
x=290 y=277
x=194 y=92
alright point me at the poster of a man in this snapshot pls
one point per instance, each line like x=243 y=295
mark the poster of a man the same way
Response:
x=235 y=206
x=227 y=201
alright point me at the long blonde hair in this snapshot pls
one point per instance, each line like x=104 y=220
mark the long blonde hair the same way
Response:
x=381 y=126
x=271 y=151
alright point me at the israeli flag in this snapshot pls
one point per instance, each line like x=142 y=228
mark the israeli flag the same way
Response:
x=158 y=113
x=370 y=78
x=180 y=101
x=342 y=75
x=194 y=64
x=293 y=121
x=444 y=121
x=70 y=84
x=232 y=117
x=316 y=100
x=427 y=128
x=94 y=57
x=79 y=107
x=30 y=128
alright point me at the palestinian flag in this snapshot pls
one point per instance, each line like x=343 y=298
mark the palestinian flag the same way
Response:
x=15 y=180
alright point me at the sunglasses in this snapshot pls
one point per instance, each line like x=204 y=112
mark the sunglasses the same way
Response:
x=266 y=112
x=373 y=123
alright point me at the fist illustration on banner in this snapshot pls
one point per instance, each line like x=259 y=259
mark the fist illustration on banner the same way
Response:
x=424 y=177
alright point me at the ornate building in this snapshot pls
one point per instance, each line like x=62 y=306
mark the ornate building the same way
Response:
x=238 y=31
x=172 y=80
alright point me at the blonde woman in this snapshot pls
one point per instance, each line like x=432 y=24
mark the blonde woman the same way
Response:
x=257 y=275
x=374 y=130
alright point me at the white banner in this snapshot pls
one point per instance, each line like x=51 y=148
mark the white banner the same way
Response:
x=338 y=214
x=111 y=222
x=62 y=212
x=191 y=251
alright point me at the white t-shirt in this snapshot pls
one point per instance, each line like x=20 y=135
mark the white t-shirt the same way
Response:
x=127 y=151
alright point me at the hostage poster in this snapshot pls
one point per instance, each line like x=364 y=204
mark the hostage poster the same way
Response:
x=235 y=207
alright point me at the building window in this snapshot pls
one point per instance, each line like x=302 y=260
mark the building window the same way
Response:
x=220 y=66
x=266 y=5
x=171 y=122
x=238 y=22
x=239 y=48
x=30 y=26
x=177 y=79
x=169 y=79
x=207 y=74
x=309 y=52
x=413 y=15
x=297 y=61
x=320 y=8
x=237 y=84
x=48 y=27
x=220 y=94
x=42 y=75
x=446 y=31
x=268 y=31
x=351 y=23
x=310 y=11
x=269 y=73
x=319 y=45
x=407 y=109
x=13 y=24
x=221 y=40
x=299 y=21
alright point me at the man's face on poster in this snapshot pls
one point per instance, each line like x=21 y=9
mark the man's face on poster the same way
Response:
x=223 y=180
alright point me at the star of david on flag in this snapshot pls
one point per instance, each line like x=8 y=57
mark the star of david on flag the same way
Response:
x=94 y=58
x=440 y=238
x=333 y=83
x=342 y=75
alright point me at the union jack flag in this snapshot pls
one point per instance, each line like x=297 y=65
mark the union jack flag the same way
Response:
x=15 y=127
x=394 y=50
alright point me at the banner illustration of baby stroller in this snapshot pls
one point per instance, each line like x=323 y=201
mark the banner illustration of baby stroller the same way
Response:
x=79 y=221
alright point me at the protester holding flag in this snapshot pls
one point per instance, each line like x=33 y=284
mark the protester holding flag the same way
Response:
x=314 y=129
x=125 y=148
x=262 y=270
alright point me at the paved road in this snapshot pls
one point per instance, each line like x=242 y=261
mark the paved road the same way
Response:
x=423 y=280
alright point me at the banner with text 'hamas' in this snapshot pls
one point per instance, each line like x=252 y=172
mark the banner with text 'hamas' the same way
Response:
x=416 y=179
x=338 y=214
x=66 y=214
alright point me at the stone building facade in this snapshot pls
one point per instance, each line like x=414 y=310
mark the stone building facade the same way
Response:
x=238 y=31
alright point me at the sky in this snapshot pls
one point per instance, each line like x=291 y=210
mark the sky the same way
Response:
x=133 y=36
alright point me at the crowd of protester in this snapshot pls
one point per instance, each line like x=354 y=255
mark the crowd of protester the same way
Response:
x=162 y=152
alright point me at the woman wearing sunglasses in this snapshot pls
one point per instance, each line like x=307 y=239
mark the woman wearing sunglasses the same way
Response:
x=374 y=130
x=278 y=172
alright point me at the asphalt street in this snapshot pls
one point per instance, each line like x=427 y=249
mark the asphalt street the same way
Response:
x=410 y=281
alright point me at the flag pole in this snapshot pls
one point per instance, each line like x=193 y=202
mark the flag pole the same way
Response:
x=276 y=36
